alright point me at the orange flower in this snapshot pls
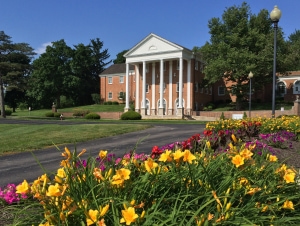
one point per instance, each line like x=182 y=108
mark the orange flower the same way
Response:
x=188 y=156
x=238 y=160
x=273 y=158
x=246 y=154
x=288 y=205
x=67 y=153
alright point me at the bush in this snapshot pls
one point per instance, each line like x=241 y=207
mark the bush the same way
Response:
x=222 y=117
x=49 y=114
x=56 y=114
x=245 y=115
x=92 y=115
x=108 y=103
x=80 y=113
x=131 y=115
x=23 y=106
x=96 y=98
x=115 y=103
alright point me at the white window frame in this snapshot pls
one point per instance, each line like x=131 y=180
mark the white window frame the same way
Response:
x=221 y=90
x=110 y=95
x=110 y=80
x=296 y=87
x=121 y=79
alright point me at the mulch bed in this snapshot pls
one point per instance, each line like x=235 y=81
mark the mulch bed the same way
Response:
x=291 y=156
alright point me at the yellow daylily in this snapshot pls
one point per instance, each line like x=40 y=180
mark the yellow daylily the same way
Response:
x=102 y=154
x=188 y=156
x=92 y=217
x=177 y=155
x=54 y=190
x=23 y=188
x=129 y=216
x=150 y=165
x=288 y=205
x=238 y=160
x=166 y=156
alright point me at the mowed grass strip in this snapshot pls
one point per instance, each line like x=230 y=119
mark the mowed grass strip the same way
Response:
x=19 y=138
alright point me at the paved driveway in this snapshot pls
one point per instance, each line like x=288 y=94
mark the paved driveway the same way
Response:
x=15 y=168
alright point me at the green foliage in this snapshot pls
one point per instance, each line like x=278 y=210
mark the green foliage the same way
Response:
x=49 y=114
x=92 y=115
x=23 y=106
x=131 y=115
x=8 y=112
x=241 y=42
x=80 y=112
x=96 y=98
x=245 y=115
x=222 y=117
x=108 y=102
x=115 y=103
x=120 y=57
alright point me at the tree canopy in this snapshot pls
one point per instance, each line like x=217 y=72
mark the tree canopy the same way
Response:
x=120 y=57
x=15 y=66
x=241 y=42
x=70 y=72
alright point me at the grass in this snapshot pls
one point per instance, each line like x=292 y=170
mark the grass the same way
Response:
x=255 y=106
x=32 y=137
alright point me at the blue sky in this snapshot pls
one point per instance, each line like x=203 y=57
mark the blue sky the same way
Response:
x=122 y=24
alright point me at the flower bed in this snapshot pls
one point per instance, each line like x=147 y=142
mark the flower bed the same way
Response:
x=230 y=175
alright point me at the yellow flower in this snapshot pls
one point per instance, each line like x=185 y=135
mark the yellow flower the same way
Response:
x=177 y=155
x=288 y=205
x=273 y=158
x=60 y=175
x=233 y=138
x=289 y=176
x=101 y=223
x=104 y=210
x=129 y=216
x=238 y=160
x=98 y=174
x=92 y=217
x=188 y=156
x=253 y=190
x=67 y=153
x=207 y=144
x=165 y=157
x=54 y=190
x=102 y=154
x=243 y=181
x=246 y=154
x=23 y=188
x=121 y=175
x=150 y=165
x=82 y=152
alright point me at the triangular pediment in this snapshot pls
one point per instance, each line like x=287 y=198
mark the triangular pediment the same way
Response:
x=153 y=44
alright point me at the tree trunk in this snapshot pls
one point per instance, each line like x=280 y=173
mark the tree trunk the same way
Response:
x=2 y=104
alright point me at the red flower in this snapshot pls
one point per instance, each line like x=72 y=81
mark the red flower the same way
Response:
x=207 y=133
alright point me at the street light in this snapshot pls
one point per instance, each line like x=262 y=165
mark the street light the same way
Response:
x=275 y=16
x=250 y=76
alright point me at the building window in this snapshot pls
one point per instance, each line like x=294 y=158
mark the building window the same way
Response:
x=196 y=65
x=201 y=90
x=110 y=80
x=210 y=90
x=196 y=87
x=110 y=95
x=297 y=87
x=206 y=90
x=281 y=89
x=221 y=90
x=178 y=64
x=147 y=88
x=121 y=79
x=121 y=95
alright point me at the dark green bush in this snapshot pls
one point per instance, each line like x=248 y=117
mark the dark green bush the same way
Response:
x=92 y=115
x=115 y=103
x=222 y=117
x=7 y=112
x=49 y=114
x=245 y=115
x=56 y=114
x=131 y=115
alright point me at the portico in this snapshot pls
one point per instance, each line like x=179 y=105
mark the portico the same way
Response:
x=163 y=77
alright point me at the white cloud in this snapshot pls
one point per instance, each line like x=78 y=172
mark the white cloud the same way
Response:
x=42 y=48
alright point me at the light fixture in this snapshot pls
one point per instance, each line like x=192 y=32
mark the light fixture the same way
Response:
x=275 y=16
x=250 y=76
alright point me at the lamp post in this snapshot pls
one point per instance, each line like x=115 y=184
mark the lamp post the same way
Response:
x=250 y=76
x=275 y=16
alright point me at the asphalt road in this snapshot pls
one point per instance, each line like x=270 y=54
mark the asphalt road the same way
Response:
x=15 y=168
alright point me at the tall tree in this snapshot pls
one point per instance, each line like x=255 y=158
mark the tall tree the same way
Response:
x=120 y=57
x=241 y=42
x=52 y=75
x=293 y=56
x=87 y=63
x=15 y=65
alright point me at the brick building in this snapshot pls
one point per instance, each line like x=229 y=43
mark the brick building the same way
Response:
x=163 y=78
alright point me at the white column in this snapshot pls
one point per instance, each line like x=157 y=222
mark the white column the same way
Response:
x=161 y=88
x=170 y=109
x=143 y=108
x=137 y=88
x=153 y=104
x=127 y=88
x=188 y=98
x=180 y=107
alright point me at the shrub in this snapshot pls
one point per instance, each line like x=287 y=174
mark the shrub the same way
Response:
x=115 y=103
x=80 y=113
x=56 y=114
x=49 y=114
x=131 y=115
x=222 y=117
x=23 y=106
x=108 y=103
x=245 y=115
x=92 y=115
x=96 y=98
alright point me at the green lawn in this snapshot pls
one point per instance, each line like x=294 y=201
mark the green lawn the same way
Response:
x=19 y=138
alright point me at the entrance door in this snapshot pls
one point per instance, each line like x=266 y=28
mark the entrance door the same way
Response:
x=164 y=106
